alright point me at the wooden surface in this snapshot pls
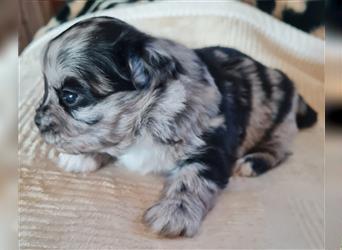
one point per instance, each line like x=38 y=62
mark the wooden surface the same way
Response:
x=8 y=20
x=33 y=15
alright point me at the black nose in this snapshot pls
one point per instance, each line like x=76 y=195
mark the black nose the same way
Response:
x=38 y=119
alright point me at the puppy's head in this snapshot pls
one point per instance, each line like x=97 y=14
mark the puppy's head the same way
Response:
x=97 y=75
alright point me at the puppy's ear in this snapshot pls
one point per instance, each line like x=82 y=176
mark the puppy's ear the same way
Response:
x=150 y=66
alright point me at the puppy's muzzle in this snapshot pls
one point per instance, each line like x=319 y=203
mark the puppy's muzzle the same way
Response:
x=42 y=122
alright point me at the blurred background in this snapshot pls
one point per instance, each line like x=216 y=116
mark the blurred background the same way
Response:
x=8 y=123
x=320 y=18
x=333 y=135
x=33 y=15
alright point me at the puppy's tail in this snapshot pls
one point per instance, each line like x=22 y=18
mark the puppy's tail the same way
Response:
x=305 y=115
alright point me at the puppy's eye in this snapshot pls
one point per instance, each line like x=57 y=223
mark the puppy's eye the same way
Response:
x=69 y=98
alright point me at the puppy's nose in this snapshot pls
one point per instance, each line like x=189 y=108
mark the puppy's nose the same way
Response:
x=38 y=119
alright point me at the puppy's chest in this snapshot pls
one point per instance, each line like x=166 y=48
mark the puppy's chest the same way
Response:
x=147 y=156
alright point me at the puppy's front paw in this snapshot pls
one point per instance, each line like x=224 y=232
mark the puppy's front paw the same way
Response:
x=77 y=163
x=173 y=218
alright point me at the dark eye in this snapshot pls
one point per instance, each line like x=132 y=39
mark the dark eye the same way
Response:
x=69 y=98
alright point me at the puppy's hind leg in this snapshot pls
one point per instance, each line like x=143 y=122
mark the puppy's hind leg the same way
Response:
x=269 y=153
x=257 y=163
x=82 y=163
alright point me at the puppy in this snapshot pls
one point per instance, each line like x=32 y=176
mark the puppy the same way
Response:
x=197 y=116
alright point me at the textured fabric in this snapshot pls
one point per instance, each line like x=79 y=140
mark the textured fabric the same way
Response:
x=306 y=15
x=103 y=210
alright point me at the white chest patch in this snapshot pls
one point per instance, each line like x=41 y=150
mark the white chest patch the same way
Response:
x=147 y=156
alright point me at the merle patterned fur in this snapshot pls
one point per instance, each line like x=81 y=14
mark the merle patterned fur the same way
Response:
x=197 y=116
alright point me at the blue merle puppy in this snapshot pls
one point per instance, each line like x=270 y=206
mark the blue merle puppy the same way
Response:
x=152 y=105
